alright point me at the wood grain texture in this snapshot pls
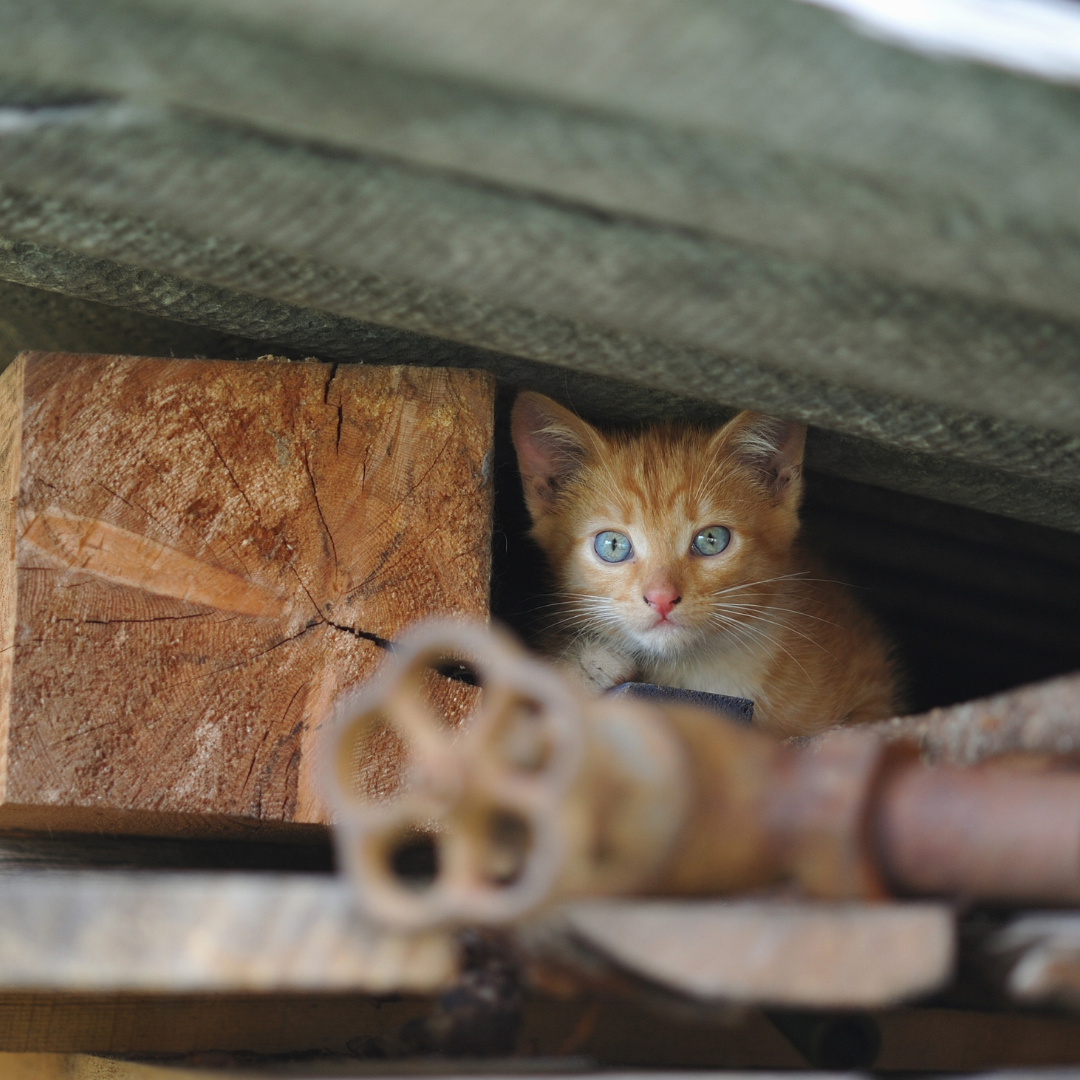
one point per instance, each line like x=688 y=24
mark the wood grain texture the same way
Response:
x=1040 y=952
x=11 y=394
x=152 y=1024
x=796 y=955
x=1041 y=718
x=207 y=554
x=181 y=933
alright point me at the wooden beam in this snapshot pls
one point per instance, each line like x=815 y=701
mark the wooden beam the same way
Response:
x=1042 y=718
x=179 y=1025
x=29 y=850
x=1038 y=955
x=83 y=931
x=205 y=555
x=666 y=229
x=107 y=932
x=226 y=1036
x=794 y=955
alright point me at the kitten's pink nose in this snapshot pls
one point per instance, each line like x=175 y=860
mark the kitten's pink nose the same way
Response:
x=662 y=601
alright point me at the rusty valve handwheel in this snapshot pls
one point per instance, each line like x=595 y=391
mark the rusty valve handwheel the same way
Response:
x=439 y=824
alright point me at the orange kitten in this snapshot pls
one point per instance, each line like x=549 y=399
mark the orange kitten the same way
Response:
x=676 y=557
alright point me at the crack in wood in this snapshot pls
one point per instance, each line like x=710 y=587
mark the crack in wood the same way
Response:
x=318 y=507
x=225 y=465
x=381 y=642
x=211 y=712
x=329 y=382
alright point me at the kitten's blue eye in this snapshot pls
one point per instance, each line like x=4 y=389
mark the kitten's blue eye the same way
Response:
x=613 y=546
x=711 y=541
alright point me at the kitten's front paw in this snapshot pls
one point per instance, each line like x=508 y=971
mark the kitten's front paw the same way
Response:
x=597 y=667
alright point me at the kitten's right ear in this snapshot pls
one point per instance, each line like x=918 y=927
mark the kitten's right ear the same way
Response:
x=770 y=449
x=552 y=444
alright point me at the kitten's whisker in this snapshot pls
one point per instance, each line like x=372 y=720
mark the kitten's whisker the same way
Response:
x=762 y=581
x=793 y=611
x=745 y=644
x=763 y=611
x=580 y=613
x=568 y=598
x=593 y=620
x=770 y=639
x=791 y=629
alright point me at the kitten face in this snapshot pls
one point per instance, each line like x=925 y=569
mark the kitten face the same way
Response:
x=708 y=518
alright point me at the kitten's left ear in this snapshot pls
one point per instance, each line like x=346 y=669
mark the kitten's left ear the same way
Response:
x=552 y=444
x=771 y=449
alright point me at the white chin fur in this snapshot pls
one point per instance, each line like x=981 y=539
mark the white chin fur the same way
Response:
x=659 y=641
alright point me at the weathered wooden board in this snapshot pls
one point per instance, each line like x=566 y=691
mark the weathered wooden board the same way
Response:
x=797 y=955
x=613 y=1034
x=741 y=203
x=203 y=554
x=108 y=932
x=191 y=1024
x=1039 y=955
x=1042 y=718
x=179 y=933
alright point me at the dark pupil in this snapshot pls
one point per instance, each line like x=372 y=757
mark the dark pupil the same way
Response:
x=613 y=545
x=710 y=541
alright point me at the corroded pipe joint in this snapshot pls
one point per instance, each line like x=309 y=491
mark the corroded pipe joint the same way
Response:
x=820 y=810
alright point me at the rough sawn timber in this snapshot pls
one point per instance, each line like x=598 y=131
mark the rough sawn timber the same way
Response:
x=184 y=933
x=1043 y=718
x=204 y=554
x=781 y=953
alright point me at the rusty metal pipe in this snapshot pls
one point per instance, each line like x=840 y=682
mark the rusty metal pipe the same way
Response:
x=546 y=794
x=987 y=833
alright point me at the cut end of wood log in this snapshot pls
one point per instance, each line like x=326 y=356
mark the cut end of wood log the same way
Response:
x=201 y=556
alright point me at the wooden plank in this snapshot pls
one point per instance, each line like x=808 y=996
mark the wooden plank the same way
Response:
x=11 y=400
x=82 y=1067
x=825 y=956
x=208 y=553
x=241 y=1035
x=20 y=852
x=185 y=1025
x=80 y=931
x=1042 y=718
x=374 y=1033
x=725 y=262
x=85 y=931
x=1039 y=956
